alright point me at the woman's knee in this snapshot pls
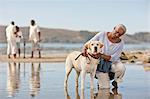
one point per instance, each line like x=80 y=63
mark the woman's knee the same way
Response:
x=120 y=67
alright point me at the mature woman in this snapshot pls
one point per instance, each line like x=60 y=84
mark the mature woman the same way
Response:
x=113 y=45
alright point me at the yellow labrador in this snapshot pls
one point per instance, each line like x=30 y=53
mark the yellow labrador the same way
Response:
x=83 y=64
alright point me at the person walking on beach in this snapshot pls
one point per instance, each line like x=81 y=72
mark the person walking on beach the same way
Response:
x=11 y=39
x=113 y=45
x=19 y=37
x=34 y=37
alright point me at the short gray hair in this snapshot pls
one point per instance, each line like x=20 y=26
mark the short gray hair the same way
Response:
x=122 y=26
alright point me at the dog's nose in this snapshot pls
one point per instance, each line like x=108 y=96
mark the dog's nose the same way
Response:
x=95 y=49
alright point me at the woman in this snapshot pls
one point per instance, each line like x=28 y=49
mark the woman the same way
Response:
x=113 y=45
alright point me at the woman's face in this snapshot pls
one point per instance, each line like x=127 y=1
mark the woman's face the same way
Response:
x=117 y=32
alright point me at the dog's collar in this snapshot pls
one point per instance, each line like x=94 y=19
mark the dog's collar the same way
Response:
x=93 y=56
x=87 y=57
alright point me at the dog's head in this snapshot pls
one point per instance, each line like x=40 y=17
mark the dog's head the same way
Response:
x=94 y=47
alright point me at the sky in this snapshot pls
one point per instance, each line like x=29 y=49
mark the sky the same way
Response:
x=92 y=15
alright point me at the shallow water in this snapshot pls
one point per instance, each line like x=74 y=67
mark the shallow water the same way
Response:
x=67 y=47
x=45 y=81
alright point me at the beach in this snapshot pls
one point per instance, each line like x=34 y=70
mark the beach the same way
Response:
x=28 y=78
x=44 y=58
x=138 y=56
x=45 y=80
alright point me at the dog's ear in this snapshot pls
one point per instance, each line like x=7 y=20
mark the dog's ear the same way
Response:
x=101 y=45
x=88 y=45
x=114 y=27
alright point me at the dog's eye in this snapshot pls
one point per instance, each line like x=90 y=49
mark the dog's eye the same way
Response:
x=92 y=44
x=97 y=44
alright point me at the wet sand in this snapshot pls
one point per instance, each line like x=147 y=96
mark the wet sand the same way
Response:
x=60 y=56
x=44 y=58
x=45 y=81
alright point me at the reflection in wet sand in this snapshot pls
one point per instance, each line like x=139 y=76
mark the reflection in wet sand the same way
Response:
x=24 y=81
x=66 y=93
x=77 y=96
x=106 y=94
x=101 y=94
x=35 y=79
x=13 y=78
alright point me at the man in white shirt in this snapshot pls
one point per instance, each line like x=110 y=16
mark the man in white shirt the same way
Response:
x=19 y=36
x=11 y=39
x=112 y=49
x=35 y=37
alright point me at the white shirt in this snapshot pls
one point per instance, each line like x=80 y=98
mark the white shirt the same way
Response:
x=112 y=49
x=33 y=36
x=19 y=36
x=10 y=30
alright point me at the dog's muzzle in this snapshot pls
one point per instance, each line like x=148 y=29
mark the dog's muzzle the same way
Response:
x=95 y=49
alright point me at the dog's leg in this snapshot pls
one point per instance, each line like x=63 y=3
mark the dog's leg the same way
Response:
x=77 y=76
x=66 y=93
x=68 y=70
x=92 y=77
x=83 y=74
x=92 y=81
x=82 y=94
x=77 y=94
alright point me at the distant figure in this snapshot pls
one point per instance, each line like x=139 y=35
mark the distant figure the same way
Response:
x=11 y=39
x=19 y=36
x=35 y=38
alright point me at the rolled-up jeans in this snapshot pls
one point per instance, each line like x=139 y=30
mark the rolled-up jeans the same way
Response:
x=118 y=68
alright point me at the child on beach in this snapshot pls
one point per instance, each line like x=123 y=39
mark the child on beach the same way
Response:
x=19 y=36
